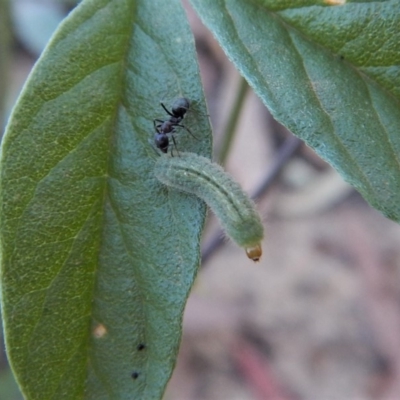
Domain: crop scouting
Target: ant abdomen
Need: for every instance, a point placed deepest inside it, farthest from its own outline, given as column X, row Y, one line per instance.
column 162, row 142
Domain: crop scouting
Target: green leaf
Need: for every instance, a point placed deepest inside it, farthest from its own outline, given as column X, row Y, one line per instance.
column 331, row 74
column 97, row 256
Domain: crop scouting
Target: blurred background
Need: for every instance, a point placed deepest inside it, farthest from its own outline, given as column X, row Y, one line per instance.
column 319, row 317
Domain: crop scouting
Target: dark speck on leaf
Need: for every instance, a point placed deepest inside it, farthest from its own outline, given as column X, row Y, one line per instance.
column 135, row 375
column 141, row 346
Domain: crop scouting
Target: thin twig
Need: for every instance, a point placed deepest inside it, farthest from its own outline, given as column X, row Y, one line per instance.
column 230, row 129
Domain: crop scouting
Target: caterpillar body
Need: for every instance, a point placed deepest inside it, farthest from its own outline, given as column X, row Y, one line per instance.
column 198, row 175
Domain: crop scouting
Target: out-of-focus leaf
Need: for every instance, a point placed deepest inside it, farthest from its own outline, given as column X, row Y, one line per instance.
column 330, row 73
column 35, row 21
column 97, row 256
column 4, row 57
column 8, row 386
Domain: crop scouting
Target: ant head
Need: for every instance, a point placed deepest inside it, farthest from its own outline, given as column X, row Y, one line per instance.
column 180, row 107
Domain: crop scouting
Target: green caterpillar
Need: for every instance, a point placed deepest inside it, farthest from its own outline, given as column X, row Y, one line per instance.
column 237, row 214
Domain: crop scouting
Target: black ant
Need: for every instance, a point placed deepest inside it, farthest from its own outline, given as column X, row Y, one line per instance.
column 165, row 127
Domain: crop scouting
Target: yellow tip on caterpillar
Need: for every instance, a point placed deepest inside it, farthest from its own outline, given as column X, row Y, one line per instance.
column 254, row 252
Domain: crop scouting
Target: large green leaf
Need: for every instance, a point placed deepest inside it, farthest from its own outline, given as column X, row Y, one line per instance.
column 331, row 74
column 97, row 256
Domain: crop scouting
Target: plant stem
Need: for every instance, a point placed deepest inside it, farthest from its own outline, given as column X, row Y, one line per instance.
column 230, row 129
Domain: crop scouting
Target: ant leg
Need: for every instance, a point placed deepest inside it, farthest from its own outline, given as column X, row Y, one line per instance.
column 183, row 126
column 203, row 114
column 166, row 110
column 157, row 126
column 173, row 139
